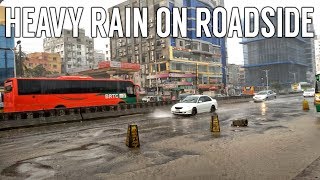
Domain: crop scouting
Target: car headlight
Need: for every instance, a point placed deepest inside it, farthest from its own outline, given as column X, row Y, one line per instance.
column 317, row 97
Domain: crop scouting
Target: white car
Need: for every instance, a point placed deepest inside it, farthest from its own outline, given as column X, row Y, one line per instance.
column 194, row 104
column 309, row 92
column 264, row 96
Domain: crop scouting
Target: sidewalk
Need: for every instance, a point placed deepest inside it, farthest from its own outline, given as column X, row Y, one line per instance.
column 311, row 172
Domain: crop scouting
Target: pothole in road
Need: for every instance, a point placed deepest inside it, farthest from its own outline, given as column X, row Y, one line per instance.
column 238, row 130
column 275, row 127
column 30, row 170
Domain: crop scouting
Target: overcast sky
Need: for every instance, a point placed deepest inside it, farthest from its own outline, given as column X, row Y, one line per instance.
column 235, row 54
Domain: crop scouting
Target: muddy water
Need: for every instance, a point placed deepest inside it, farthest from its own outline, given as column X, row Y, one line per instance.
column 280, row 141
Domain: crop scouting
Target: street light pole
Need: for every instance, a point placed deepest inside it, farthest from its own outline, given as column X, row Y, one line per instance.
column 267, row 77
column 294, row 76
column 226, row 72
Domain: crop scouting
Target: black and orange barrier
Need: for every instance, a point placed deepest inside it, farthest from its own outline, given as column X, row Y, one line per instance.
column 215, row 124
column 132, row 140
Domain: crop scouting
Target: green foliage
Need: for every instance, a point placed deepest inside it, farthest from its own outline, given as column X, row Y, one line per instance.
column 38, row 71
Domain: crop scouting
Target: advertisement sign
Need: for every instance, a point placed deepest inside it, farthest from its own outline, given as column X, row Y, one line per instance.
column 175, row 75
column 115, row 64
column 104, row 64
column 120, row 65
column 134, row 66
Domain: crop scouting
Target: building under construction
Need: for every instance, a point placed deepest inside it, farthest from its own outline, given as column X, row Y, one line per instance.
column 278, row 61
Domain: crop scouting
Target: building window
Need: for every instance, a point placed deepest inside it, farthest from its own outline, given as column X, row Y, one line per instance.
column 181, row 43
column 69, row 65
column 78, row 53
column 163, row 67
column 55, row 66
column 78, row 46
column 54, row 59
column 205, row 47
column 178, row 66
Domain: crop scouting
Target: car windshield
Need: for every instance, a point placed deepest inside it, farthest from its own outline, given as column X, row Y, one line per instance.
column 309, row 90
column 190, row 99
column 262, row 93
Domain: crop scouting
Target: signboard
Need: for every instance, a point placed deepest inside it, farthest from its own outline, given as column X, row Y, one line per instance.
column 104, row 64
column 120, row 65
column 115, row 64
column 125, row 65
column 176, row 75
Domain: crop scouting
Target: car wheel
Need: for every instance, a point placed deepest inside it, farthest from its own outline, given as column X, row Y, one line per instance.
column 194, row 111
column 213, row 109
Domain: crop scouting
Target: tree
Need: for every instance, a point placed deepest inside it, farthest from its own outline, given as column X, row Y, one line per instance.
column 38, row 71
column 276, row 86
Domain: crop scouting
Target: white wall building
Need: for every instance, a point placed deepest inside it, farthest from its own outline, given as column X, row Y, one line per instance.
column 317, row 53
column 77, row 54
column 98, row 57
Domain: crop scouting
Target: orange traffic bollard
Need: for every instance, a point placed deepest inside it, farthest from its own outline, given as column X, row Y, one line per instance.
column 305, row 105
column 132, row 140
column 215, row 125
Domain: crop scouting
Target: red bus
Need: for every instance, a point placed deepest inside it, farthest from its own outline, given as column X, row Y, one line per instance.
column 33, row 94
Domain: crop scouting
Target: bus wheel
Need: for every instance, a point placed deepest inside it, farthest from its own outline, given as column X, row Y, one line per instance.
column 60, row 107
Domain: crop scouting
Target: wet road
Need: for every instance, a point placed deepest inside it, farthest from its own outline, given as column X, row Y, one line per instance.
column 279, row 143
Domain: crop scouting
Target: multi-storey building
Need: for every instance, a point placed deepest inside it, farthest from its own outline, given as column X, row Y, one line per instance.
column 181, row 64
column 50, row 61
column 108, row 53
column 7, row 63
column 235, row 74
column 283, row 60
column 77, row 54
column 317, row 53
column 98, row 57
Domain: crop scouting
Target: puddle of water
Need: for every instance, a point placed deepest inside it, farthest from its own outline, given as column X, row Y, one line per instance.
column 158, row 113
column 29, row 170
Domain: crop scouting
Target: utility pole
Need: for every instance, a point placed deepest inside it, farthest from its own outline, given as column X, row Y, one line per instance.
column 227, row 76
column 267, row 77
column 20, row 62
column 197, row 83
column 294, row 76
column 156, row 75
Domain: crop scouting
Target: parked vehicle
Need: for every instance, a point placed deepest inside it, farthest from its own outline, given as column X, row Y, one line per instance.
column 194, row 104
column 264, row 95
column 152, row 99
column 309, row 92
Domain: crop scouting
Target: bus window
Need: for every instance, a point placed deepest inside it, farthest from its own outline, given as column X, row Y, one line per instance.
column 8, row 89
column 130, row 90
